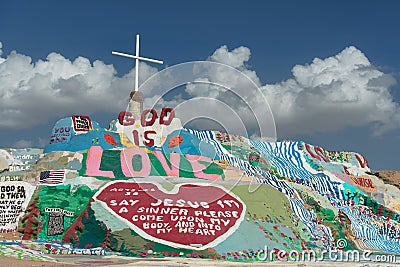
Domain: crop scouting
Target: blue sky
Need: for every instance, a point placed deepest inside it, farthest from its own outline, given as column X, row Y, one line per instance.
column 277, row 36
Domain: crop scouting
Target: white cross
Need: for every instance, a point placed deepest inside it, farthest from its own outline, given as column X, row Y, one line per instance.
column 137, row 57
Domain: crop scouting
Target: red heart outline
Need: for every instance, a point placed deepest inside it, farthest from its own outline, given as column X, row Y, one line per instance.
column 133, row 198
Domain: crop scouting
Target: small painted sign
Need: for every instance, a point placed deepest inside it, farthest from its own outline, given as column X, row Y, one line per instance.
column 150, row 130
column 14, row 198
column 82, row 123
column 365, row 183
column 55, row 224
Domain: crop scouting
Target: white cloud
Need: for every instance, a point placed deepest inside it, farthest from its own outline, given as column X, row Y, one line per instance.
column 22, row 144
column 324, row 96
column 333, row 93
column 1, row 53
column 31, row 93
column 42, row 142
column 327, row 95
column 236, row 58
column 219, row 84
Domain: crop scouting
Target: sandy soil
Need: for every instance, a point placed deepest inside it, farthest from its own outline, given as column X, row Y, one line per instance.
column 105, row 262
column 389, row 176
column 12, row 262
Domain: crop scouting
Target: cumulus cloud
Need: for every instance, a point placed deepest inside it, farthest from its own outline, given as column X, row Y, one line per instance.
column 22, row 144
column 236, row 58
column 227, row 91
column 31, row 93
column 326, row 95
column 333, row 93
column 1, row 53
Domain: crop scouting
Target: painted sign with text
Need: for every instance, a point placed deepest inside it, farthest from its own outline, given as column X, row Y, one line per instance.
column 82, row 123
column 14, row 198
column 62, row 131
column 192, row 216
column 60, row 134
column 151, row 129
column 365, row 183
column 18, row 160
column 135, row 162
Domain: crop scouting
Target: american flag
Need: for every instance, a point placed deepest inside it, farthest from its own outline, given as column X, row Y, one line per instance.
column 52, row 177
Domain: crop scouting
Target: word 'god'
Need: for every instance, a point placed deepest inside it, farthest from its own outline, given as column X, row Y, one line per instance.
column 147, row 119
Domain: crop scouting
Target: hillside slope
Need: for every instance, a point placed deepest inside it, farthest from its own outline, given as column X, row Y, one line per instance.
column 168, row 191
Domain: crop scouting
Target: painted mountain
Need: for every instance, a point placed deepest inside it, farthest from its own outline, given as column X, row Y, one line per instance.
column 152, row 188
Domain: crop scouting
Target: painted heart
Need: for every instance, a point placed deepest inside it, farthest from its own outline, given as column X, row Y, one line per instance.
column 192, row 216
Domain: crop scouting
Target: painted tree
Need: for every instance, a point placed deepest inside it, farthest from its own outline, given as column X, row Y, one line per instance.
column 389, row 216
column 380, row 211
column 87, row 231
column 30, row 221
column 107, row 241
column 71, row 233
